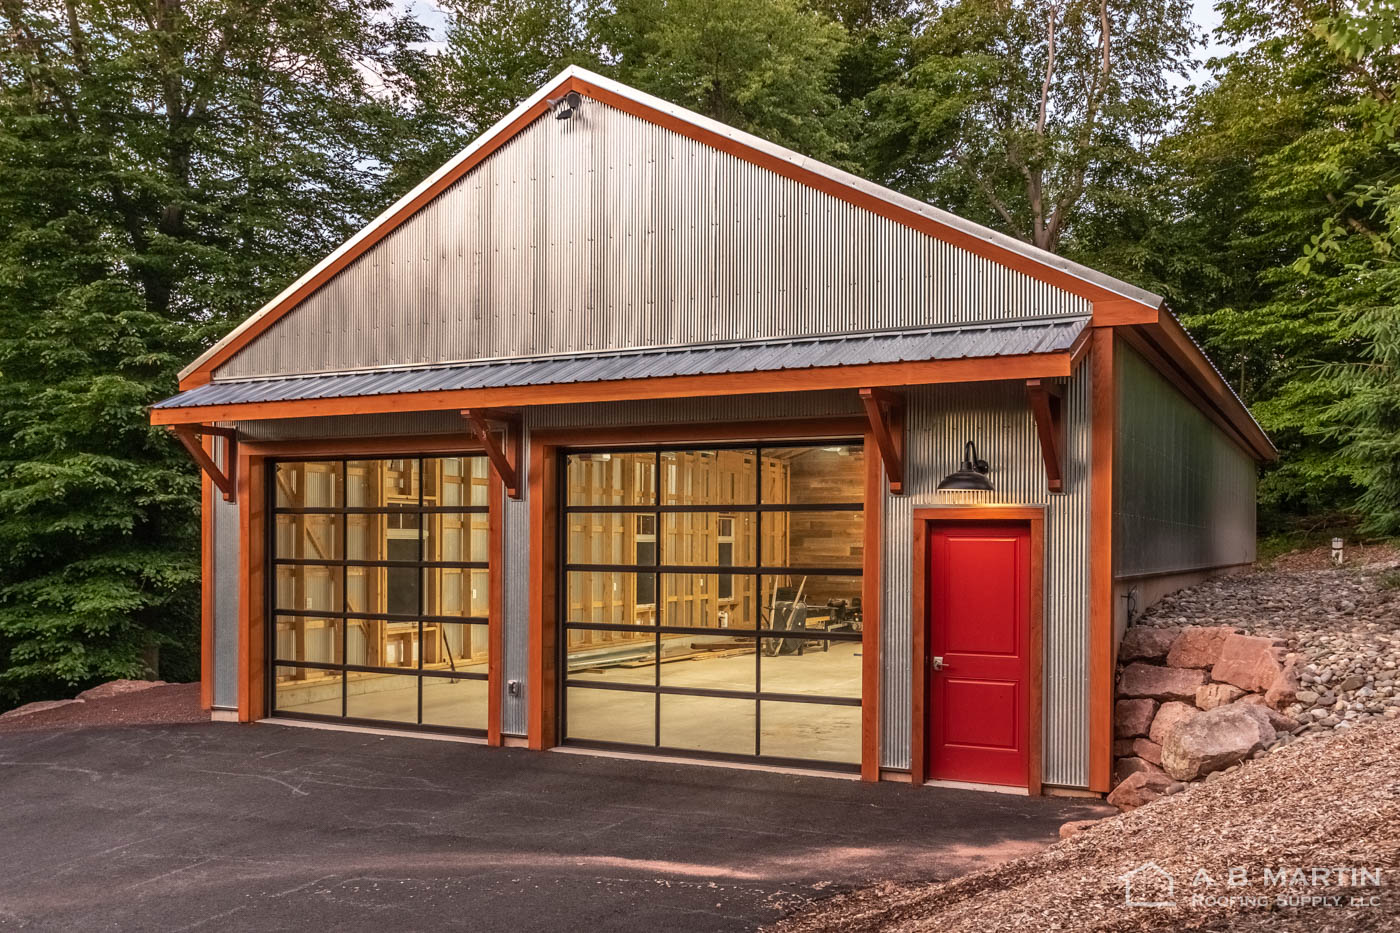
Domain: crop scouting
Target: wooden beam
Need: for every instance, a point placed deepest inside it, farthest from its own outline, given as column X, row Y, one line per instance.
column 1103, row 409
column 1047, row 404
column 885, row 412
column 817, row 378
column 226, row 479
column 482, row 421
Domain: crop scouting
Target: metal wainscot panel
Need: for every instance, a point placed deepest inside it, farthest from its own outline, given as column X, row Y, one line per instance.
column 226, row 554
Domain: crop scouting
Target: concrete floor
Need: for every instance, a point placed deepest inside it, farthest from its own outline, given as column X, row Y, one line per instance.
column 706, row 724
column 265, row 827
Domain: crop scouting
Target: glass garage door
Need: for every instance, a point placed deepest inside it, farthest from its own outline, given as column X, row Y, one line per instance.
column 378, row 589
column 712, row 601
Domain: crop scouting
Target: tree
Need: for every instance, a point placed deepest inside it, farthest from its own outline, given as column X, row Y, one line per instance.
column 768, row 67
column 1265, row 158
column 1357, row 247
column 1026, row 114
column 164, row 168
column 499, row 52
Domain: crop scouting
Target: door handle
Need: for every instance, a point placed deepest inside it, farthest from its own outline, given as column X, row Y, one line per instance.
column 938, row 662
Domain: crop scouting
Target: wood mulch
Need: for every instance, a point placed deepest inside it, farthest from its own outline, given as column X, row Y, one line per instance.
column 1327, row 803
column 170, row 703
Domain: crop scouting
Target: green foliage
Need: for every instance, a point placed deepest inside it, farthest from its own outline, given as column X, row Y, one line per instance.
column 164, row 168
column 1029, row 115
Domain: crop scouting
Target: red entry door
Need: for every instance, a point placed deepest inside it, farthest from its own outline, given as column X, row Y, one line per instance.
column 979, row 626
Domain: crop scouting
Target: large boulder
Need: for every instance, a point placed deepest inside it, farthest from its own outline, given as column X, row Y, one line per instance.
column 1215, row 739
column 1144, row 643
column 1250, row 662
column 1280, row 721
column 1147, row 750
column 1212, row 695
column 1171, row 715
column 1133, row 717
column 116, row 688
column 1198, row 646
column 1284, row 689
column 1124, row 767
column 1141, row 787
column 1160, row 683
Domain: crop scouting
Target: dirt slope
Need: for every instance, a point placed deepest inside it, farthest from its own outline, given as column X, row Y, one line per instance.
column 1326, row 803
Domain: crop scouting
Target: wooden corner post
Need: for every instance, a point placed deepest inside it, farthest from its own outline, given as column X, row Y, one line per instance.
column 1104, row 429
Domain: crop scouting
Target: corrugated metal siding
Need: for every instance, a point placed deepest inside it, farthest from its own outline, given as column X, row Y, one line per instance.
column 941, row 419
column 226, row 551
column 1184, row 494
column 606, row 232
column 997, row 418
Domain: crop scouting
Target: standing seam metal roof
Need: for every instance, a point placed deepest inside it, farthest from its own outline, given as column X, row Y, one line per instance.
column 945, row 343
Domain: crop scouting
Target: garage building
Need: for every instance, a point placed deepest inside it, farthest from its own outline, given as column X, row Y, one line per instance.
column 629, row 431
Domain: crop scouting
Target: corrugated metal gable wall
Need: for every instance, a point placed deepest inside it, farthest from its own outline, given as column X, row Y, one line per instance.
column 606, row 232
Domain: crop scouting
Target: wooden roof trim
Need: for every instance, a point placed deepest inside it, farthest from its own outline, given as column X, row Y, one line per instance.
column 1111, row 305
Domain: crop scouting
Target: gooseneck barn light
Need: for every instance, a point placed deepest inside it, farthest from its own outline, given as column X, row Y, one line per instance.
column 971, row 476
column 564, row 107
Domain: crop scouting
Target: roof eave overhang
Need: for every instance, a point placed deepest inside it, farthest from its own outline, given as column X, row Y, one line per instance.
column 921, row 372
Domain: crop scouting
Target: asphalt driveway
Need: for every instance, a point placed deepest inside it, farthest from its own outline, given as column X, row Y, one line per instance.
column 269, row 827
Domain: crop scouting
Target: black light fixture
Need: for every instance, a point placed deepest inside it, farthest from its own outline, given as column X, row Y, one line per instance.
column 566, row 106
column 971, row 476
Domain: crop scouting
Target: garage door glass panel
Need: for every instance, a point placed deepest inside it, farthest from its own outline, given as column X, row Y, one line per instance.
column 609, row 657
column 616, row 716
column 707, row 724
column 309, row 639
column 807, row 730
column 825, row 539
column 306, row 690
column 806, row 475
column 308, row 485
column 708, row 539
column 811, row 667
column 612, row 479
column 386, row 697
column 708, row 600
column 682, row 576
column 308, row 588
column 708, row 662
column 308, row 536
column 454, row 702
column 390, row 572
column 708, row 477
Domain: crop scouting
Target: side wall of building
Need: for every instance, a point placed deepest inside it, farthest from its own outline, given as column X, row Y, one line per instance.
column 1184, row 493
column 940, row 418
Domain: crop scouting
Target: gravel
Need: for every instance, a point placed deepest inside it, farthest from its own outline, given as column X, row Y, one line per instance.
column 1345, row 622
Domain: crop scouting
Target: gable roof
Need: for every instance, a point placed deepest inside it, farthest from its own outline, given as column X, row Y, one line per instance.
column 1114, row 300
